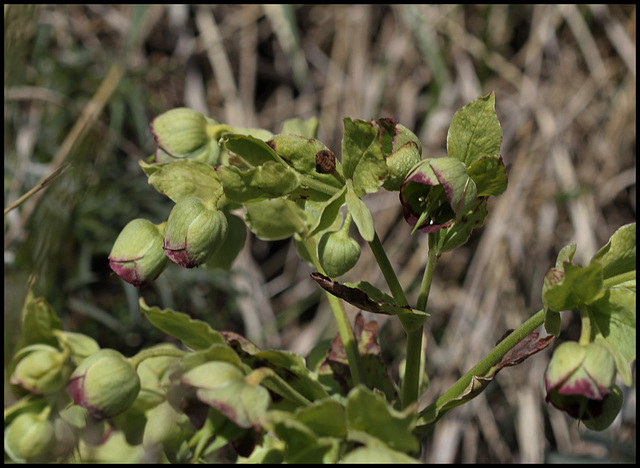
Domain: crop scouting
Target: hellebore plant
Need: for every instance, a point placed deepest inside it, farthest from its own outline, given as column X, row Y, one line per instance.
column 218, row 389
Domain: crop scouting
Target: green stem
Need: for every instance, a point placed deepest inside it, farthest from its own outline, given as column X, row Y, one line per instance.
column 344, row 327
column 483, row 367
column 413, row 366
column 271, row 380
column 411, row 381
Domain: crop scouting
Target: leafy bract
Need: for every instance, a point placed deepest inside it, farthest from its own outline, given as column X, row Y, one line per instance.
column 275, row 219
column 183, row 178
column 362, row 157
column 618, row 258
column 475, row 131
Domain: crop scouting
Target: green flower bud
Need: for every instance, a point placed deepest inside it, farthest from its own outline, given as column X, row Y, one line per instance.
column 338, row 252
column 137, row 255
column 435, row 193
column 580, row 379
column 195, row 230
column 105, row 384
column 41, row 369
column 29, row 438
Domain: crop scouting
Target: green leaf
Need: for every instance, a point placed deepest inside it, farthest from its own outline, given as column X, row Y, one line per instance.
column 253, row 150
column 360, row 214
column 296, row 126
column 329, row 212
column 475, row 131
column 490, row 175
column 618, row 257
column 377, row 454
column 362, row 157
column 369, row 413
column 195, row 334
column 269, row 180
column 458, row 234
column 185, row 178
column 301, row 154
column 223, row 386
column 580, row 285
column 39, row 320
column 303, row 445
column 326, row 418
column 613, row 318
column 275, row 219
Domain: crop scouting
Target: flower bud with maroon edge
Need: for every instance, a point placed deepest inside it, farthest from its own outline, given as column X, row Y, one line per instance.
column 41, row 369
column 30, row 437
column 402, row 150
column 105, row 383
column 580, row 381
column 137, row 255
column 195, row 230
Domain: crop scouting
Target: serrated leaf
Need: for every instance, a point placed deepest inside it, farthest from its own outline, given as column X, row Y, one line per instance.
column 185, row 178
column 360, row 214
column 269, row 180
column 580, row 285
column 195, row 334
column 475, row 131
column 490, row 175
column 362, row 157
column 613, row 319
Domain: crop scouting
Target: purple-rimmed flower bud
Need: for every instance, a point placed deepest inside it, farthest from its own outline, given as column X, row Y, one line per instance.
column 29, row 438
column 137, row 255
column 435, row 193
column 195, row 230
column 105, row 384
column 580, row 379
column 42, row 369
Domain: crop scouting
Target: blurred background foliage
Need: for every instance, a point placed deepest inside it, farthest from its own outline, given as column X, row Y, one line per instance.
column 82, row 83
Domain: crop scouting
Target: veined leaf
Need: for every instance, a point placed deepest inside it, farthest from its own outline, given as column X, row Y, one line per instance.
column 185, row 178
column 362, row 157
column 475, row 131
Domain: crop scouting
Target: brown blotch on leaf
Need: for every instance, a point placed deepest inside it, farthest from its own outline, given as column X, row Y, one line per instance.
column 325, row 162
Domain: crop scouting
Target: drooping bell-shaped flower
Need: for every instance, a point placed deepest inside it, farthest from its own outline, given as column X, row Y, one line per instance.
column 580, row 381
column 435, row 193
